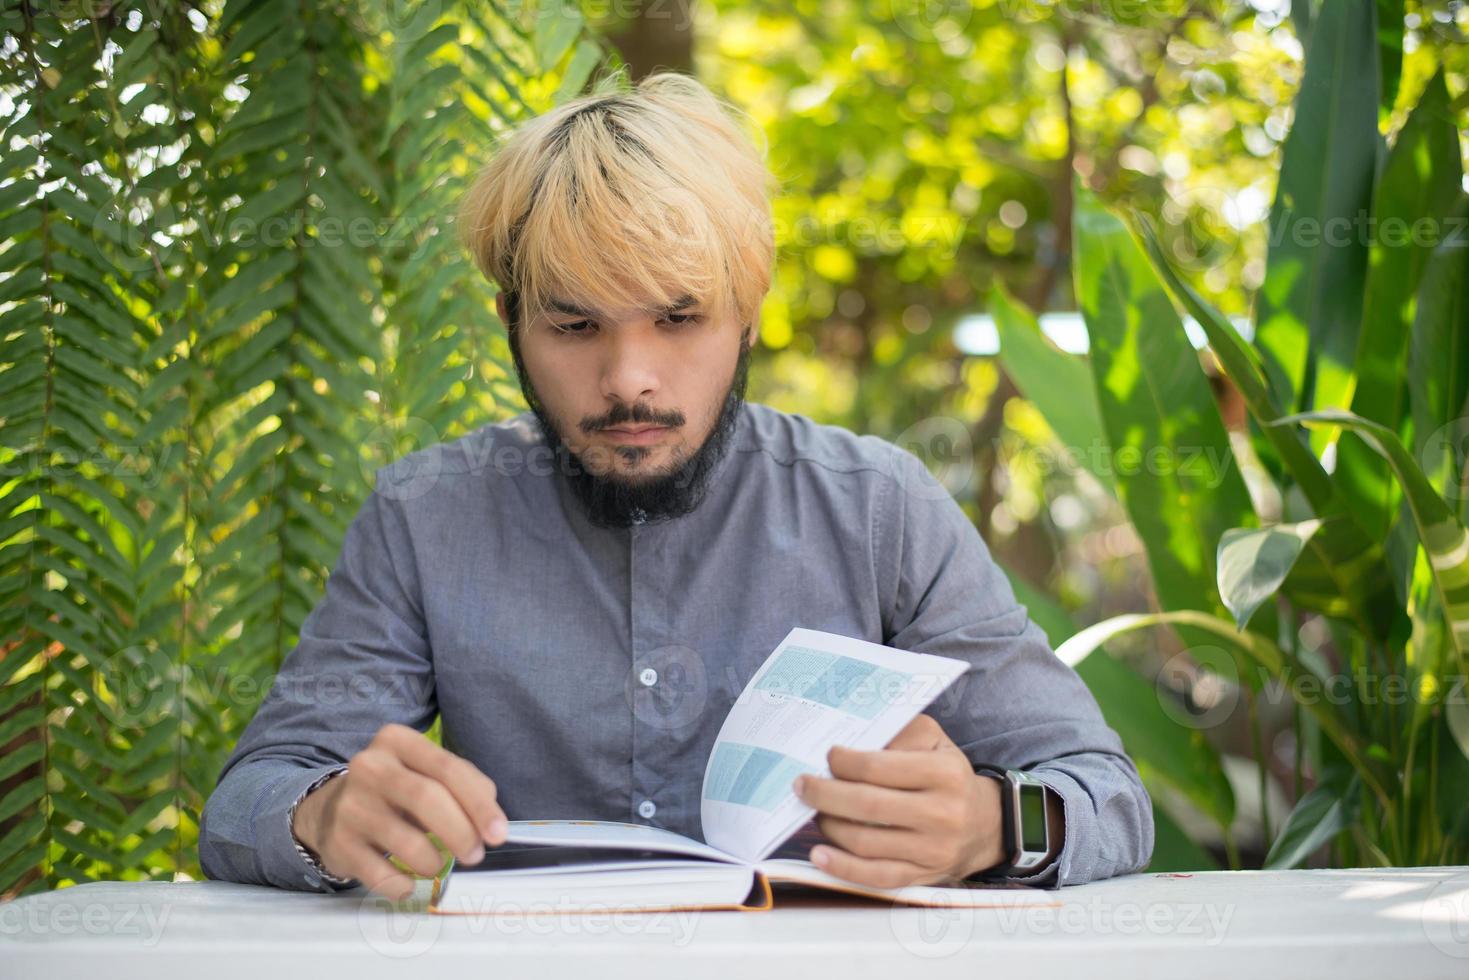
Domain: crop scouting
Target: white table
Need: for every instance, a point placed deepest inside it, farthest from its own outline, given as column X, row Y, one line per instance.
column 1409, row 922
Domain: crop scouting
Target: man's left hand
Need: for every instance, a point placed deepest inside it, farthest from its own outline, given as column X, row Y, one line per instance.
column 913, row 813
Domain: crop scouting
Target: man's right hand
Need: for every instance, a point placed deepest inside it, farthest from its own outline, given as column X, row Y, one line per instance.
column 394, row 792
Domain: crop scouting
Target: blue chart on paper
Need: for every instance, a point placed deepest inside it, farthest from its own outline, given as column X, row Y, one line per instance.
column 845, row 683
column 752, row 776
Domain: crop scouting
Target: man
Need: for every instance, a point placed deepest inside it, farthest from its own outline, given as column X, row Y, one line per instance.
column 581, row 592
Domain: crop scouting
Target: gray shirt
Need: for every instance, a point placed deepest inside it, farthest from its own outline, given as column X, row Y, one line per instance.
column 587, row 670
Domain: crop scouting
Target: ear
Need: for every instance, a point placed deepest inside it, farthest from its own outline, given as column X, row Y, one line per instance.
column 500, row 307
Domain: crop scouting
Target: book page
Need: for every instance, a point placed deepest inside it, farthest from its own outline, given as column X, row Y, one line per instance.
column 610, row 834
column 815, row 690
column 961, row 895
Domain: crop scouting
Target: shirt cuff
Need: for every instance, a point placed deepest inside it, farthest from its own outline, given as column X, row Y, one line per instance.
column 312, row 864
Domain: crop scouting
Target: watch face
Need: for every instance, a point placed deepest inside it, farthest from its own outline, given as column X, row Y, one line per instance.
column 1033, row 818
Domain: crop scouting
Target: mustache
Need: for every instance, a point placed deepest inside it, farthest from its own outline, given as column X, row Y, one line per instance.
column 637, row 414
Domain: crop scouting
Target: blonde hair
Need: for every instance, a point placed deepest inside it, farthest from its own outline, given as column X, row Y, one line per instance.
column 621, row 199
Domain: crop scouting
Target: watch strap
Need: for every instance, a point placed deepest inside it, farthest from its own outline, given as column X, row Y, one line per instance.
column 1007, row 820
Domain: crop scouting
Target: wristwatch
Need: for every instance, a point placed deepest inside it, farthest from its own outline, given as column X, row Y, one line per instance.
column 1025, row 816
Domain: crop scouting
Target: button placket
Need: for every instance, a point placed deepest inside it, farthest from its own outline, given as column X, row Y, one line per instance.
column 637, row 787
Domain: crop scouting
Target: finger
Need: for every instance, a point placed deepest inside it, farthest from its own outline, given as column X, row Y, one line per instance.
column 897, row 768
column 862, row 801
column 877, row 872
column 477, row 794
column 436, row 809
column 377, row 873
column 865, row 840
column 922, row 733
column 407, row 842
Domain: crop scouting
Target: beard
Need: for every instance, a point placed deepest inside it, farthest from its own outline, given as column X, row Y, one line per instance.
column 611, row 501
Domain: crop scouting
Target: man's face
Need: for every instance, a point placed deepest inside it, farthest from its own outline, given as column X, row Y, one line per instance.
column 642, row 401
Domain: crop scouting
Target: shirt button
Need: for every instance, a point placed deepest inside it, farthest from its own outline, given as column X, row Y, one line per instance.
column 649, row 677
column 646, row 809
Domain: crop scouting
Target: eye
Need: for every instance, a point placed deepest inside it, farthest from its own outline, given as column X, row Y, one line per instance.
column 574, row 328
column 680, row 319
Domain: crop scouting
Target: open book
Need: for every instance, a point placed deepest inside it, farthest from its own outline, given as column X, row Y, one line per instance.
column 815, row 690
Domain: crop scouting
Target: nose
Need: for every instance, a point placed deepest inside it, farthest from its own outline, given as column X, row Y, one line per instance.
column 629, row 374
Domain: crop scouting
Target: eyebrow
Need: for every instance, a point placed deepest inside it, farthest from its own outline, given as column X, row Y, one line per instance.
column 571, row 309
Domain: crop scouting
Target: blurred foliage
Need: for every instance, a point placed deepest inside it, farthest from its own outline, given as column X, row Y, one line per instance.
column 924, row 161
column 1341, row 587
column 969, row 122
column 228, row 292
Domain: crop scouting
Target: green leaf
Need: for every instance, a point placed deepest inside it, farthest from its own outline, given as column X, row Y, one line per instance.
column 1057, row 383
column 587, row 56
column 1417, row 192
column 261, row 20
column 1442, row 535
column 1244, row 367
column 1253, row 562
column 1308, row 312
column 1390, row 29
column 1174, row 468
column 1438, row 364
column 1302, row 13
column 1345, row 572
column 1456, row 715
column 1317, row 817
column 558, row 24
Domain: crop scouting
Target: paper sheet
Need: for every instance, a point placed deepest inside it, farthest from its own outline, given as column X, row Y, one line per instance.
column 814, row 691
